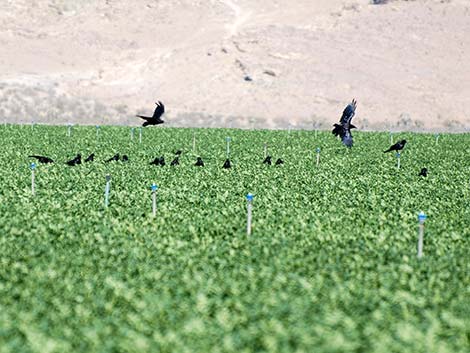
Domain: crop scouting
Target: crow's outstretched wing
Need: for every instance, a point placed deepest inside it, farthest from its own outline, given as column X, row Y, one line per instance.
column 159, row 110
column 348, row 113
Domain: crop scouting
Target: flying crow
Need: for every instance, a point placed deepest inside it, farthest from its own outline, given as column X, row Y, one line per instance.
column 397, row 147
column 343, row 129
column 75, row 161
column 199, row 162
column 423, row 172
column 42, row 159
column 155, row 118
column 90, row 158
column 267, row 160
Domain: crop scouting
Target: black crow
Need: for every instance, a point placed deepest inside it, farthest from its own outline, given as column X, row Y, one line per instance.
column 227, row 164
column 423, row 172
column 155, row 118
column 397, row 147
column 75, row 161
column 42, row 159
column 161, row 161
column 199, row 162
column 124, row 158
column 178, row 153
column 113, row 158
column 267, row 160
column 279, row 161
column 343, row 129
column 90, row 158
column 175, row 161
column 156, row 161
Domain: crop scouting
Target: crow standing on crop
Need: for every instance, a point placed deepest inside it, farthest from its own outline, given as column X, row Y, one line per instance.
column 423, row 172
column 227, row 164
column 90, row 158
column 75, row 161
column 397, row 147
column 42, row 159
column 155, row 118
column 267, row 160
column 175, row 161
column 343, row 129
column 199, row 162
column 178, row 153
column 113, row 158
column 124, row 158
column 279, row 161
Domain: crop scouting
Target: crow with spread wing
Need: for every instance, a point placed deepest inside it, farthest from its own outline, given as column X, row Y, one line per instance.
column 343, row 129
column 155, row 119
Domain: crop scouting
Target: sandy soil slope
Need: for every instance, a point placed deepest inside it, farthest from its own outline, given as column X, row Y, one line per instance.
column 102, row 61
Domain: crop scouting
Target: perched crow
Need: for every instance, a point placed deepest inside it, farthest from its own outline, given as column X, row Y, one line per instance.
column 75, row 161
column 343, row 129
column 124, row 158
column 227, row 164
column 175, row 161
column 155, row 118
column 90, row 158
column 267, row 160
column 397, row 147
column 423, row 172
column 161, row 161
column 113, row 158
column 156, row 161
column 42, row 159
column 199, row 162
column 178, row 153
column 279, row 161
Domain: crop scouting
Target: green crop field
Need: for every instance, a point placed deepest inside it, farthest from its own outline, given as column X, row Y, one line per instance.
column 331, row 264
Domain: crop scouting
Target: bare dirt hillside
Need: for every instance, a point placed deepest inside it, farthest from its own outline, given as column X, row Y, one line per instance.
column 237, row 63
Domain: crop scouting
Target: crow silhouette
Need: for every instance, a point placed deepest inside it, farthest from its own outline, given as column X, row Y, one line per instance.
column 155, row 118
column 199, row 162
column 75, row 161
column 397, row 147
column 343, row 129
column 156, row 161
column 90, row 158
column 227, row 164
column 178, row 153
column 161, row 161
column 279, row 161
column 113, row 158
column 124, row 158
column 267, row 160
column 42, row 159
column 175, row 161
column 423, row 172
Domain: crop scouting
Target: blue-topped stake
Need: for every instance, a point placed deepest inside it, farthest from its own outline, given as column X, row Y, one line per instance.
column 398, row 160
column 106, row 190
column 97, row 127
column 318, row 155
column 265, row 150
column 421, row 219
column 140, row 135
column 249, row 206
column 69, row 130
column 437, row 138
column 228, row 139
column 194, row 142
column 154, row 188
column 33, row 188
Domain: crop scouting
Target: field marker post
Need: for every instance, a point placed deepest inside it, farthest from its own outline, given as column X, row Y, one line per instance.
column 154, row 188
column 249, row 207
column 69, row 130
column 140, row 135
column 132, row 134
column 318, row 155
column 398, row 160
column 97, row 127
column 33, row 186
column 391, row 138
column 437, row 138
column 228, row 139
column 421, row 218
column 106, row 190
column 194, row 142
column 265, row 150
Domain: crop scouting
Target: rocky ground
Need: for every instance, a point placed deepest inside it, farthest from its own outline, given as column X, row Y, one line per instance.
column 237, row 63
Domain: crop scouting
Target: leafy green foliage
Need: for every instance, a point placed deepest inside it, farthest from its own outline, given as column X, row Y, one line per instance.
column 330, row 267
